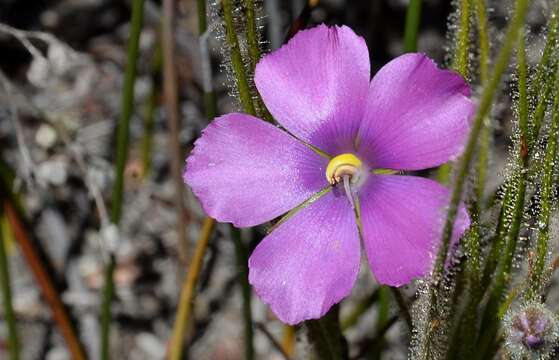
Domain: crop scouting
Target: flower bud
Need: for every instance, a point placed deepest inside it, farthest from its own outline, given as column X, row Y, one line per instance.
column 531, row 332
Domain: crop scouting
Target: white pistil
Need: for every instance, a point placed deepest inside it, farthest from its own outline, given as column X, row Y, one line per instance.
column 347, row 188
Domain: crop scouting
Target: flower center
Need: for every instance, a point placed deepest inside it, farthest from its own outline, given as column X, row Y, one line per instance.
column 344, row 165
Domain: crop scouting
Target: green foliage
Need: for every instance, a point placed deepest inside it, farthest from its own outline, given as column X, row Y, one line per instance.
column 506, row 261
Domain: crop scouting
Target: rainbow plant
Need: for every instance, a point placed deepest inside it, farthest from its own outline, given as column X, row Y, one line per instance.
column 332, row 166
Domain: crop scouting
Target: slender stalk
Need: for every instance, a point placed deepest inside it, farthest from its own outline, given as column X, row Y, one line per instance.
column 464, row 164
column 122, row 155
column 538, row 271
column 43, row 279
column 521, row 172
column 483, row 38
column 237, row 59
column 252, row 35
column 516, row 210
column 13, row 342
column 461, row 54
column 242, row 265
column 189, row 283
column 543, row 70
column 484, row 106
column 248, row 106
column 475, row 293
column 522, row 71
column 498, row 241
column 413, row 18
column 188, row 291
column 254, row 56
column 173, row 120
column 288, row 340
column 483, row 156
column 539, row 94
column 202, row 17
column 126, row 108
column 383, row 315
column 106, row 303
column 460, row 64
column 538, row 115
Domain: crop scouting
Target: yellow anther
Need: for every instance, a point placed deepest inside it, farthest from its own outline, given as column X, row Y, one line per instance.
column 344, row 164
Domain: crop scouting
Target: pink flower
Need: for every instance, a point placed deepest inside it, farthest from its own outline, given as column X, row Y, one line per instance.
column 410, row 116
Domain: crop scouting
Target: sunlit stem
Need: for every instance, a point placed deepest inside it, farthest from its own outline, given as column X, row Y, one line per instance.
column 188, row 291
column 413, row 17
column 461, row 54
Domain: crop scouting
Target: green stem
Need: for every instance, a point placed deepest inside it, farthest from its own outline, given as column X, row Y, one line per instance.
column 252, row 35
column 483, row 156
column 122, row 155
column 522, row 92
column 461, row 66
column 483, row 37
column 473, row 269
column 413, row 18
column 517, row 194
column 538, row 115
column 106, row 313
column 126, row 108
column 9, row 314
column 254, row 55
column 464, row 164
column 383, row 316
column 542, row 244
column 237, row 59
column 484, row 106
column 242, row 264
column 202, row 16
column 544, row 69
column 463, row 40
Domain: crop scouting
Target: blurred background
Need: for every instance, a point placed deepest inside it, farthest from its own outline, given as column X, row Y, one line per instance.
column 62, row 66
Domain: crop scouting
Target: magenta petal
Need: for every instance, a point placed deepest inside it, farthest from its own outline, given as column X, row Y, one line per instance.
column 316, row 86
column 246, row 171
column 417, row 115
column 402, row 219
column 310, row 262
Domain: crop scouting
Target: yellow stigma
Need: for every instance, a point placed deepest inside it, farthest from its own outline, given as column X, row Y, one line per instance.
column 344, row 164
